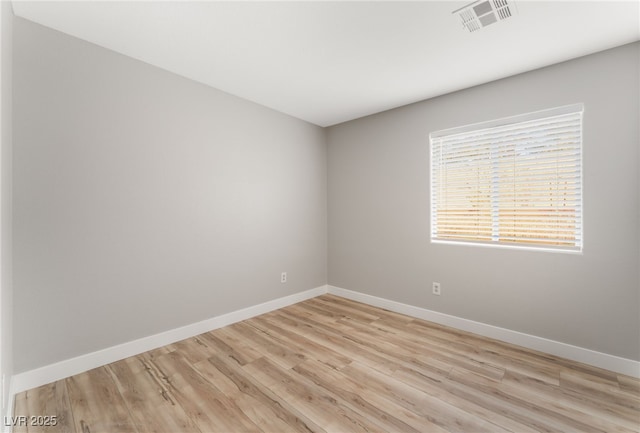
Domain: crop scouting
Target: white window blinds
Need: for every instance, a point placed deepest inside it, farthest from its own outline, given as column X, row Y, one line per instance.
column 514, row 181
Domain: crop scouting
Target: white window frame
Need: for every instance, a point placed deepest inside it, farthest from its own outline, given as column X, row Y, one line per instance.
column 512, row 120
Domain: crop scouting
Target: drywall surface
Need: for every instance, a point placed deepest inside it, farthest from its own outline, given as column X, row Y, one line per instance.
column 6, row 127
column 145, row 201
column 379, row 241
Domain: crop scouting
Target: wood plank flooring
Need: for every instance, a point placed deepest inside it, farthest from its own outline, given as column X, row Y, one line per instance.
column 333, row 365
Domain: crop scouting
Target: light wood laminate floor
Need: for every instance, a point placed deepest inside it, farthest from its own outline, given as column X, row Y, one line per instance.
column 331, row 364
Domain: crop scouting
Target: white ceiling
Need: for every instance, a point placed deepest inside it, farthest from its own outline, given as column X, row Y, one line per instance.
column 329, row 62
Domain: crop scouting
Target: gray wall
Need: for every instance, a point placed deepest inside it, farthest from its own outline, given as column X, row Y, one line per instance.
column 6, row 127
column 144, row 201
column 379, row 211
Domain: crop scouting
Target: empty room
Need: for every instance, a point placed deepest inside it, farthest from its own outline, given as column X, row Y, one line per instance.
column 316, row 216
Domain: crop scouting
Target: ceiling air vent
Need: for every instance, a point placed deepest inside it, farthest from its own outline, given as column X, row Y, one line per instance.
column 483, row 13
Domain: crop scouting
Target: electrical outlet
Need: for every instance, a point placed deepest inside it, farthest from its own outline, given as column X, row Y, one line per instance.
column 283, row 277
column 436, row 288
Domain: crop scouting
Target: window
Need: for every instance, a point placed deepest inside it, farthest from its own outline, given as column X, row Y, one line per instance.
column 514, row 181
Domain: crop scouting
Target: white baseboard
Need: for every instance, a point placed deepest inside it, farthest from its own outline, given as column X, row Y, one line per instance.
column 9, row 428
column 575, row 353
column 60, row 370
column 69, row 367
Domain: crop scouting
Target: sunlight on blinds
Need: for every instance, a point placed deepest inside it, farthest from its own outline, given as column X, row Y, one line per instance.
column 514, row 181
